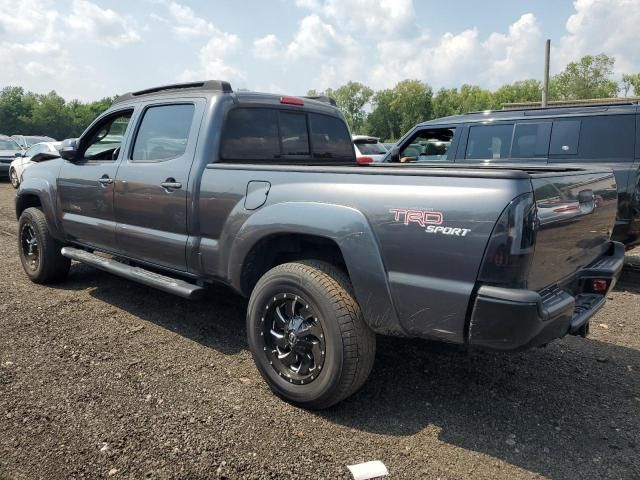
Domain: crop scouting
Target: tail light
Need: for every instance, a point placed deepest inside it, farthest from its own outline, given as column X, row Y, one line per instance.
column 599, row 285
column 364, row 159
column 510, row 249
column 291, row 101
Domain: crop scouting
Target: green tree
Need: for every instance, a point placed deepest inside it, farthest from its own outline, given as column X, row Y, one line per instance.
column 469, row 98
column 411, row 103
column 15, row 110
column 631, row 81
column 590, row 77
column 446, row 102
column 384, row 120
column 352, row 99
column 83, row 114
column 521, row 91
column 50, row 116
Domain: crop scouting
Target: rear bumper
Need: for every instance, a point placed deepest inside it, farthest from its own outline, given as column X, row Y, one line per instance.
column 511, row 319
column 4, row 169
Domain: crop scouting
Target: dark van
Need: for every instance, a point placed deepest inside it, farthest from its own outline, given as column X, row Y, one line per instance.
column 587, row 136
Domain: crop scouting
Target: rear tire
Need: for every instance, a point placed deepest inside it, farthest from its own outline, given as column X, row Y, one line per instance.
column 319, row 308
column 13, row 176
column 39, row 251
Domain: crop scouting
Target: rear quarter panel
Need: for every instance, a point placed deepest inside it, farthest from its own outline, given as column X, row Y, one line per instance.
column 429, row 277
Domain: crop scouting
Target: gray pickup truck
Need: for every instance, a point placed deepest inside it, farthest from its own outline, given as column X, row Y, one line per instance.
column 182, row 186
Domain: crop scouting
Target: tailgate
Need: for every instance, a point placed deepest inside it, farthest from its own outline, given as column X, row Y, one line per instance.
column 576, row 214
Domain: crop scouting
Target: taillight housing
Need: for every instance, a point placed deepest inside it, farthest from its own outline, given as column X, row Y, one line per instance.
column 363, row 160
column 510, row 249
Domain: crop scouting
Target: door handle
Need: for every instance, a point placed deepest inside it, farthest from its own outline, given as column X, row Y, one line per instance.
column 171, row 184
column 105, row 180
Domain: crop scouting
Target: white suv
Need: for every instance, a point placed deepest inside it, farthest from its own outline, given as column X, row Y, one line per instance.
column 368, row 149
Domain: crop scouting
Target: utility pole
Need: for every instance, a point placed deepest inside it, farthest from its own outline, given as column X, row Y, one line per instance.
column 545, row 83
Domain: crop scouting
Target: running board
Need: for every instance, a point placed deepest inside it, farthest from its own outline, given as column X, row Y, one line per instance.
column 151, row 279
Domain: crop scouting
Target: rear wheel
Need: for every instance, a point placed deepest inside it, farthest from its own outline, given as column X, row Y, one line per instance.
column 307, row 334
column 39, row 251
column 13, row 176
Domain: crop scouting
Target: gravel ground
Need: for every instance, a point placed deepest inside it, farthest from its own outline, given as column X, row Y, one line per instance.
column 100, row 377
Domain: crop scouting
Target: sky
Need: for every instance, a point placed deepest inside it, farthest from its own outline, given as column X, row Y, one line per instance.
column 89, row 49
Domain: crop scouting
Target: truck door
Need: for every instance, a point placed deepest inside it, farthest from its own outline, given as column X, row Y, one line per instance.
column 85, row 186
column 151, row 187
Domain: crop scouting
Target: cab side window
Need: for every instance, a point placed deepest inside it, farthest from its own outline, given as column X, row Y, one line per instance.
column 163, row 132
column 564, row 137
column 429, row 145
column 106, row 138
column 531, row 140
column 489, row 142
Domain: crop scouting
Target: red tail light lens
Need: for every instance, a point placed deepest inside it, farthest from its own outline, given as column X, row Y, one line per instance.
column 599, row 285
column 292, row 101
column 364, row 159
column 510, row 249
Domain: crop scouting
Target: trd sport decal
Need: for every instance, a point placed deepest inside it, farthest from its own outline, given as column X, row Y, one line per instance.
column 428, row 219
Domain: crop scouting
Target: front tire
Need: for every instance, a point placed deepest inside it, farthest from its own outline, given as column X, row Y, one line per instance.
column 307, row 334
column 39, row 251
column 13, row 176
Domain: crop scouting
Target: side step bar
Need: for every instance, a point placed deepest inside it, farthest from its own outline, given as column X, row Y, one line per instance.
column 151, row 279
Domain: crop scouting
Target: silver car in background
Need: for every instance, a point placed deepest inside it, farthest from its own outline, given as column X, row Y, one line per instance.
column 23, row 160
column 8, row 150
column 368, row 149
column 26, row 141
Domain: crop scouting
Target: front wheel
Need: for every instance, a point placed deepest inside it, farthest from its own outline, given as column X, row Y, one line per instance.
column 39, row 251
column 13, row 176
column 307, row 335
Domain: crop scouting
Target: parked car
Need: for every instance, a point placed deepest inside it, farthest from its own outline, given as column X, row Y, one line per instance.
column 183, row 186
column 368, row 149
column 8, row 151
column 594, row 136
column 388, row 146
column 23, row 160
column 26, row 141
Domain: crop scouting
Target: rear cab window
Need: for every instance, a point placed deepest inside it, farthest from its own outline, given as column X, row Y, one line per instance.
column 274, row 135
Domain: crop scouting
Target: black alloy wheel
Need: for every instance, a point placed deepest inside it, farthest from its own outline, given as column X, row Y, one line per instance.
column 30, row 247
column 294, row 340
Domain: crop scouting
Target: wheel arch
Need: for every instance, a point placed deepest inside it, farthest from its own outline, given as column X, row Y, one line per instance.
column 343, row 237
column 40, row 194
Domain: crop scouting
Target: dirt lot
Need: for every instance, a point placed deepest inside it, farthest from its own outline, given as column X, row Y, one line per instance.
column 100, row 377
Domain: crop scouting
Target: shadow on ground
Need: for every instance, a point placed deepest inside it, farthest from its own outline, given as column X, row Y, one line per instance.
column 571, row 410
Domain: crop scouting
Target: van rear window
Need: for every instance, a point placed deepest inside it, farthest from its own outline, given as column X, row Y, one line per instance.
column 281, row 136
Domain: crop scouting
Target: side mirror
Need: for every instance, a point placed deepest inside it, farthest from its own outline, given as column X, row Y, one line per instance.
column 41, row 157
column 69, row 150
column 18, row 154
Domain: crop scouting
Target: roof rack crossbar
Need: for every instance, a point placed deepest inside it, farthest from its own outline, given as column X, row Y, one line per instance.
column 207, row 85
column 589, row 103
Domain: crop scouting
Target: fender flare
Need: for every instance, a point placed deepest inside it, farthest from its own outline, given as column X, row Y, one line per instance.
column 349, row 229
column 45, row 192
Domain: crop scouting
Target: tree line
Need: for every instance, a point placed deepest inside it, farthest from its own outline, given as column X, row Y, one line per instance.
column 387, row 113
column 29, row 113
